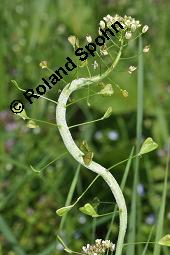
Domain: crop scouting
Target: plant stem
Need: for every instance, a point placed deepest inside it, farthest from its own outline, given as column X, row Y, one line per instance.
column 77, row 153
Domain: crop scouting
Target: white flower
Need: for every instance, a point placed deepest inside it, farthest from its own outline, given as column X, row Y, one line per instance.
column 128, row 35
column 112, row 248
column 108, row 18
column 84, row 249
column 100, row 247
column 88, row 246
column 145, row 29
column 102, row 24
column 133, row 27
column 128, row 23
column 100, row 33
column 138, row 23
column 98, row 241
column 132, row 69
column 95, row 65
column 107, row 244
column 146, row 49
column 88, row 38
column 104, row 52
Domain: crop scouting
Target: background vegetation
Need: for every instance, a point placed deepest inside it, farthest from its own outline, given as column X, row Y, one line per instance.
column 32, row 31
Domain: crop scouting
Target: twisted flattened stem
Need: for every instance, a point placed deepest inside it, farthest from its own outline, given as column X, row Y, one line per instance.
column 77, row 153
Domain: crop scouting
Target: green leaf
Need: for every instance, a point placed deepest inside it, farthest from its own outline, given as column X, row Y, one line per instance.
column 107, row 113
column 32, row 124
column 165, row 240
column 89, row 210
column 107, row 90
column 147, row 146
column 64, row 210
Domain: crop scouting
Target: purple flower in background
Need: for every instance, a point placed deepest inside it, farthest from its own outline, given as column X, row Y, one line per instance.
column 9, row 144
column 140, row 189
column 113, row 135
column 7, row 121
column 4, row 116
column 150, row 219
column 11, row 126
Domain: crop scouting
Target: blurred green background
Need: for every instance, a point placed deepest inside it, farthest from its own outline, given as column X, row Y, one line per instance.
column 36, row 30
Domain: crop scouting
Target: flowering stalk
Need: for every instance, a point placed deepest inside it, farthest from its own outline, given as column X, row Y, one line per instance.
column 130, row 26
column 77, row 153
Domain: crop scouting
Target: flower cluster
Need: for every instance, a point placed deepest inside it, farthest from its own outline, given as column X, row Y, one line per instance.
column 100, row 247
column 129, row 23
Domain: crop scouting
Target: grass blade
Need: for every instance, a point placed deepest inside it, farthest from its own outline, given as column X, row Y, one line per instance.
column 50, row 249
column 70, row 194
column 132, row 218
column 146, row 246
column 159, row 229
column 6, row 231
column 122, row 188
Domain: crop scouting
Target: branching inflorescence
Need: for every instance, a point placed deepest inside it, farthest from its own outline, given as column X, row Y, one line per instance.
column 131, row 26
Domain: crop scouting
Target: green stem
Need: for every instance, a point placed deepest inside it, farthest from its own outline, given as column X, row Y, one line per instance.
column 77, row 153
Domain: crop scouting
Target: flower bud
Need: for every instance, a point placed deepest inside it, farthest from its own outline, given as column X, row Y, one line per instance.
column 43, row 64
column 102, row 24
column 133, row 27
column 128, row 35
column 88, row 38
column 132, row 69
column 124, row 93
column 145, row 29
column 73, row 41
column 146, row 49
column 95, row 65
